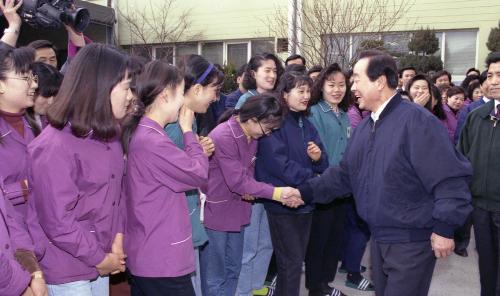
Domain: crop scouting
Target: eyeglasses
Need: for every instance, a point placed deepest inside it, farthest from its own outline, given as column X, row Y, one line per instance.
column 29, row 79
column 264, row 132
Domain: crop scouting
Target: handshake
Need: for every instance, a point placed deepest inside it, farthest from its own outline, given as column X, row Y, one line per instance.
column 289, row 197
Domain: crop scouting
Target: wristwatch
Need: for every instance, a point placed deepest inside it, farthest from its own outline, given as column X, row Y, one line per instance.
column 37, row 275
column 9, row 30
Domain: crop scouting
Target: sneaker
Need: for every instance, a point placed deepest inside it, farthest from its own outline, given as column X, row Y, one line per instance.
column 343, row 270
column 361, row 284
column 264, row 291
column 334, row 292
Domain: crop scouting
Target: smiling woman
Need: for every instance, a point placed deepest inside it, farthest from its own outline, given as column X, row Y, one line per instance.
column 17, row 88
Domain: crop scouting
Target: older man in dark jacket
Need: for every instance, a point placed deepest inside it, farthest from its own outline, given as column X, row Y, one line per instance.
column 480, row 142
column 408, row 181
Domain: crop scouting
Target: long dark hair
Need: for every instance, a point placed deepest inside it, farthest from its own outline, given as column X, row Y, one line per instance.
column 19, row 60
column 84, row 97
column 438, row 110
column 265, row 108
column 325, row 74
column 255, row 63
column 289, row 81
column 194, row 67
column 156, row 76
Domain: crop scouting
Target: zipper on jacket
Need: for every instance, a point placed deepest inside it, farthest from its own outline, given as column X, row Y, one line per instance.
column 492, row 136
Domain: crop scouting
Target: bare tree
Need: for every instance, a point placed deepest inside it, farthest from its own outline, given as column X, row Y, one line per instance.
column 325, row 26
column 157, row 23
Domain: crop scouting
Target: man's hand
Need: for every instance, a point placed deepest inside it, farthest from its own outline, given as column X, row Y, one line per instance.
column 9, row 10
column 442, row 246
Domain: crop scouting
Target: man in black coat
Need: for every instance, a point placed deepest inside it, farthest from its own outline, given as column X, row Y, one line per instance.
column 408, row 181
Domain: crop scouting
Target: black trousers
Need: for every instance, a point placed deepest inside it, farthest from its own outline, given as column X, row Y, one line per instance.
column 462, row 235
column 163, row 286
column 487, row 234
column 290, row 235
column 325, row 244
column 402, row 268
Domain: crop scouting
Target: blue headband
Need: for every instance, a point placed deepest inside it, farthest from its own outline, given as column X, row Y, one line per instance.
column 205, row 74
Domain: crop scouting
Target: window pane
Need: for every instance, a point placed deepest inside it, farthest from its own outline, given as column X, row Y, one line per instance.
column 439, row 36
column 182, row 50
column 357, row 41
column 337, row 49
column 142, row 51
column 237, row 54
column 397, row 43
column 260, row 46
column 213, row 52
column 165, row 53
column 460, row 51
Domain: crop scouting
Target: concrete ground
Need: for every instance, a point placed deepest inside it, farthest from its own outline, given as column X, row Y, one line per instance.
column 453, row 276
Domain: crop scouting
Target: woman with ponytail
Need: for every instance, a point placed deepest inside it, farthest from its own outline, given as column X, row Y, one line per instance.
column 158, row 234
column 201, row 84
column 231, row 185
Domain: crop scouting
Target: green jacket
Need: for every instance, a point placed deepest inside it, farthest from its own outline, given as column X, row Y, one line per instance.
column 333, row 130
column 193, row 198
column 480, row 143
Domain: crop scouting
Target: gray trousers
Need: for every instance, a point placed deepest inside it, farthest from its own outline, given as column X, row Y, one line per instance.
column 402, row 268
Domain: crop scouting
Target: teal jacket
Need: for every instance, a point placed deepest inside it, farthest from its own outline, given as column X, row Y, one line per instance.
column 334, row 131
column 244, row 97
column 199, row 235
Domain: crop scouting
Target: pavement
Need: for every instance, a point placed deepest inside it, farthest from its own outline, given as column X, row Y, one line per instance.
column 454, row 275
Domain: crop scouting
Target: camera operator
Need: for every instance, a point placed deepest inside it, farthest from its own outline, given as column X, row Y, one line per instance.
column 45, row 50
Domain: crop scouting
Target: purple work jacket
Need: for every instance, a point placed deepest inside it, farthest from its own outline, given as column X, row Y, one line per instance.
column 13, row 163
column 450, row 122
column 231, row 175
column 76, row 196
column 158, row 235
column 13, row 278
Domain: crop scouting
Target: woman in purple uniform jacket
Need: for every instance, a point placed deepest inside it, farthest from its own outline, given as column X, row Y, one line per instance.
column 77, row 167
column 158, row 229
column 231, row 179
column 17, row 89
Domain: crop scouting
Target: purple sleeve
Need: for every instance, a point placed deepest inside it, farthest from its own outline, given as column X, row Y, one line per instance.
column 354, row 116
column 57, row 195
column 18, row 230
column 73, row 49
column 13, row 279
column 179, row 170
column 14, row 193
column 236, row 176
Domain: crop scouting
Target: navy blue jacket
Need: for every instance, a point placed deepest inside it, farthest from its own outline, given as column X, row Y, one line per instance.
column 462, row 116
column 282, row 159
column 407, row 179
column 232, row 98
